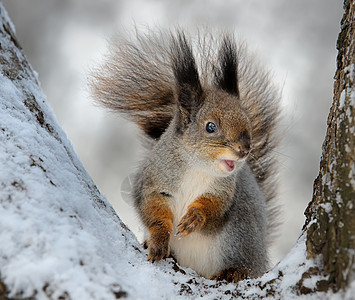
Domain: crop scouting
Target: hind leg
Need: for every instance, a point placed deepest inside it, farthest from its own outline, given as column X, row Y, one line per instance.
column 233, row 274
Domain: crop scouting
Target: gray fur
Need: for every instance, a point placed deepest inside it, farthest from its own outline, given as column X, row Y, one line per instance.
column 241, row 233
column 245, row 232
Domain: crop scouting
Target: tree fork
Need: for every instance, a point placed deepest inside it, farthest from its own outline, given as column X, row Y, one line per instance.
column 330, row 222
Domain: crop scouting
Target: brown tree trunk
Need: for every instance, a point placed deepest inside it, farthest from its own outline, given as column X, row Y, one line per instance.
column 330, row 223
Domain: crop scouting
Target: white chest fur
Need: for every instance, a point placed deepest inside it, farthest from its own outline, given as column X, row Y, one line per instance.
column 197, row 251
column 193, row 185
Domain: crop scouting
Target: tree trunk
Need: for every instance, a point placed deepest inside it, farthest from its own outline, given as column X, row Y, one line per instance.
column 60, row 239
column 330, row 222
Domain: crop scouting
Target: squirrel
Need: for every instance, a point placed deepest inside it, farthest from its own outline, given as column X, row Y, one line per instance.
column 205, row 192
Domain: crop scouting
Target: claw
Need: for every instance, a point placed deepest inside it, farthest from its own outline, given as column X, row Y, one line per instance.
column 190, row 222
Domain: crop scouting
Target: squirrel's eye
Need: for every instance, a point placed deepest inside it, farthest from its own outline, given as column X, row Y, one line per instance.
column 211, row 127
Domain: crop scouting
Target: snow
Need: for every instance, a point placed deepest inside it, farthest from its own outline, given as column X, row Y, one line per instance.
column 294, row 258
column 352, row 176
column 327, row 207
column 46, row 212
column 350, row 70
column 61, row 238
column 342, row 99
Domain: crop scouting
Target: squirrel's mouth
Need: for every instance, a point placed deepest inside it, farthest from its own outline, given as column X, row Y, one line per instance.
column 228, row 164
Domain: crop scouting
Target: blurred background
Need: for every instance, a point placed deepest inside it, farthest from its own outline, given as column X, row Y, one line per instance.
column 64, row 39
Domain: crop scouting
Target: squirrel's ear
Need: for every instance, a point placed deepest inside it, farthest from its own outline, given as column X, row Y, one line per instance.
column 226, row 74
column 188, row 86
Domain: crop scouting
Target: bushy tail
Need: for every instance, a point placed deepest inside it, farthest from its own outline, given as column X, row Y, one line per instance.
column 138, row 81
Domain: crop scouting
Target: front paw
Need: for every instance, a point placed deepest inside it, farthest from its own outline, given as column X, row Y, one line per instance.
column 192, row 221
column 158, row 246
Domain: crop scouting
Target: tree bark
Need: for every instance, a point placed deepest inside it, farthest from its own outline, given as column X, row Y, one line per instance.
column 321, row 262
column 330, row 222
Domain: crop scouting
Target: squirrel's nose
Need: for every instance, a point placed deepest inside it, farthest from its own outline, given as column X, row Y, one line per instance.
column 244, row 151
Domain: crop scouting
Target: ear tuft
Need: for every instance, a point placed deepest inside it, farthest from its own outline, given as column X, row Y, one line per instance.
column 226, row 74
column 189, row 90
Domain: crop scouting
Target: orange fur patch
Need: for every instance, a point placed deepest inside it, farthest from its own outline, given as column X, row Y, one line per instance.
column 159, row 220
column 204, row 212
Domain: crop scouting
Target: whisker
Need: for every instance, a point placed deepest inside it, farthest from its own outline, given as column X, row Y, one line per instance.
column 257, row 162
column 281, row 154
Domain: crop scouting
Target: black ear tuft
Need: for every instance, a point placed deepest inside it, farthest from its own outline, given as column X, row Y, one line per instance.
column 189, row 88
column 226, row 74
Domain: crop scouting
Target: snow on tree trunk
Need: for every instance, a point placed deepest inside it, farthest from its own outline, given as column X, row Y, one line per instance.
column 60, row 238
column 330, row 215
